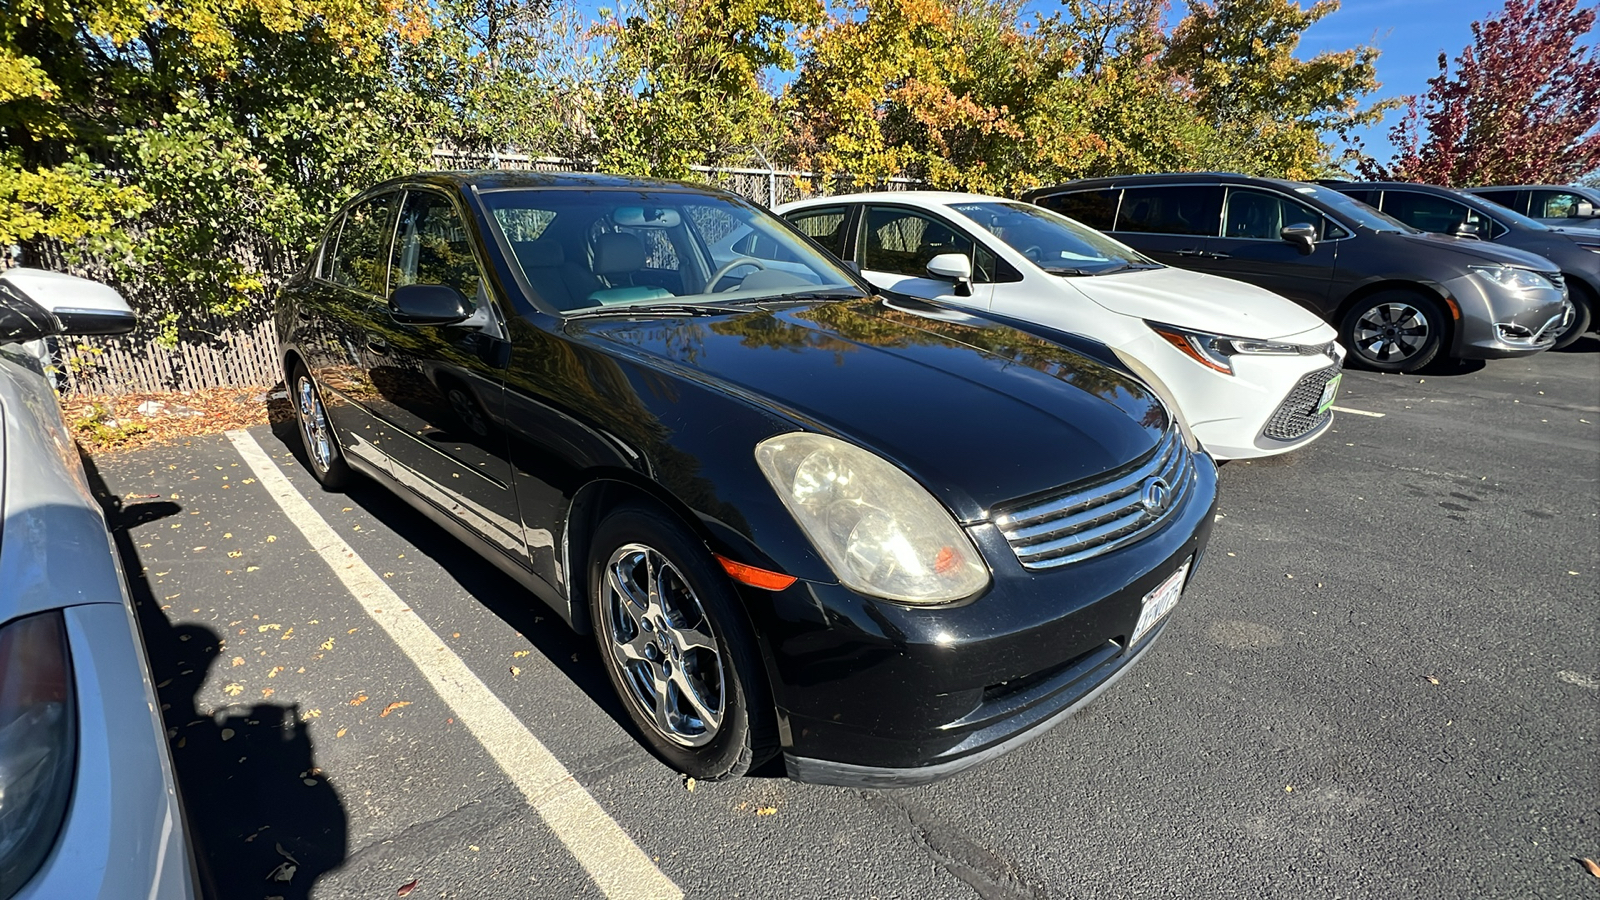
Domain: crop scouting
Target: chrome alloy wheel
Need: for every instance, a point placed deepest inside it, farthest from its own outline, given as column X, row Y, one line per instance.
column 662, row 644
column 314, row 422
column 1391, row 332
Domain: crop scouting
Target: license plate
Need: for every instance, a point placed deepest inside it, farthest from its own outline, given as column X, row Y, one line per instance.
column 1160, row 601
column 1328, row 393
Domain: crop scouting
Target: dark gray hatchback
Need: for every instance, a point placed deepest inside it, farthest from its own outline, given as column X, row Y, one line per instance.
column 1399, row 296
column 1443, row 210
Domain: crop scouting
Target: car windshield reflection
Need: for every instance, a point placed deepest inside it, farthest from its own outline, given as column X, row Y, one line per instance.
column 596, row 251
column 1056, row 244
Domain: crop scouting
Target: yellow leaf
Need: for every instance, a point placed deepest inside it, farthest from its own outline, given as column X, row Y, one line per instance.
column 327, row 644
column 233, row 690
column 393, row 706
column 767, row 811
column 359, row 700
column 520, row 653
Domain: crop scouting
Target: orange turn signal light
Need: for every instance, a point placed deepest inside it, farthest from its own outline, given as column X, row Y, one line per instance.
column 760, row 578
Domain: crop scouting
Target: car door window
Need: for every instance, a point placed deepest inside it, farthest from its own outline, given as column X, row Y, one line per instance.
column 1096, row 209
column 1193, row 209
column 1262, row 215
column 1554, row 204
column 825, row 226
column 903, row 242
column 1433, row 213
column 361, row 256
column 432, row 246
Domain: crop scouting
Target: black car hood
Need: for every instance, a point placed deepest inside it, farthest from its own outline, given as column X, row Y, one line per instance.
column 978, row 412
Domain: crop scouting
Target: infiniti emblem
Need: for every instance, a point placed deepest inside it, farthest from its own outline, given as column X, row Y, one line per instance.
column 1156, row 495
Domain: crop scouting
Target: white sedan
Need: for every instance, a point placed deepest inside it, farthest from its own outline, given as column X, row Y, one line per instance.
column 1252, row 373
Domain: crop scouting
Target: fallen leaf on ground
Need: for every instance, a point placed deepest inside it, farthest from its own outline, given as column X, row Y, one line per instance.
column 327, row 644
column 227, row 734
column 689, row 783
column 1431, row 679
column 269, row 627
column 767, row 811
column 393, row 706
column 359, row 700
column 1590, row 866
column 284, row 853
column 408, row 887
column 233, row 690
column 515, row 671
column 522, row 653
column 283, row 872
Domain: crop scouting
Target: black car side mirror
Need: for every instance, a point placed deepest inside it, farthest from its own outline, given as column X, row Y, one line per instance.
column 1465, row 229
column 1303, row 236
column 428, row 304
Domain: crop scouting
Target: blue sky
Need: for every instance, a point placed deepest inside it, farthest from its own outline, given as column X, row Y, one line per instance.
column 1410, row 34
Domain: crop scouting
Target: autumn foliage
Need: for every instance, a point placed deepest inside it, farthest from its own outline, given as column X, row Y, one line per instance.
column 1521, row 106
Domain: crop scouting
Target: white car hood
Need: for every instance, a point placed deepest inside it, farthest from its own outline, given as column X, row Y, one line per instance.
column 1200, row 302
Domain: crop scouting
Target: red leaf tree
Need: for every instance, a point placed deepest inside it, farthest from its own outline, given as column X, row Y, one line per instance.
column 1523, row 105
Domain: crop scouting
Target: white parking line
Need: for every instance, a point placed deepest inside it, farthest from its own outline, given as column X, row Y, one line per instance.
column 620, row 869
column 1357, row 412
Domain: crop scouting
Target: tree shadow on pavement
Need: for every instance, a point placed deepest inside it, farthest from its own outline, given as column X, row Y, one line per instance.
column 263, row 820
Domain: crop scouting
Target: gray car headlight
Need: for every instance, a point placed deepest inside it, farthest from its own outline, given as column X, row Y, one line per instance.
column 38, row 744
column 1512, row 277
column 880, row 531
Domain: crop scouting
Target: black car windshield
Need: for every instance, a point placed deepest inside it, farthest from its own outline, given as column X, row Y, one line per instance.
column 592, row 250
column 1053, row 242
column 1356, row 211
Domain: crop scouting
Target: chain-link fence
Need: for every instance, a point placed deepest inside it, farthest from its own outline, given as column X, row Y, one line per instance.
column 242, row 350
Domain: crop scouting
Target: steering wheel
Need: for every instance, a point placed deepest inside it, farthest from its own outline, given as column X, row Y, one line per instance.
column 1034, row 253
column 722, row 273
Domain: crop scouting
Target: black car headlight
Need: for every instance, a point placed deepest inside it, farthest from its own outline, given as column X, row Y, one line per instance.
column 880, row 531
column 38, row 743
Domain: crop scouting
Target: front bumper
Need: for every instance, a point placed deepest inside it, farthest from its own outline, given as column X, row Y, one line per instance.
column 1497, row 323
column 874, row 693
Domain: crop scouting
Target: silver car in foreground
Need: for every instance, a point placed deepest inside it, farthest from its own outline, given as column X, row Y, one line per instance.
column 88, row 803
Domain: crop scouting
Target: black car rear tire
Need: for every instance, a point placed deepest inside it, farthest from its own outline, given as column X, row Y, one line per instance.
column 675, row 644
column 1582, row 315
column 323, row 456
column 1394, row 331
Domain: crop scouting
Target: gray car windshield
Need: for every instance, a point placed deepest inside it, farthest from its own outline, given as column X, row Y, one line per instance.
column 1055, row 243
column 1356, row 211
column 594, row 250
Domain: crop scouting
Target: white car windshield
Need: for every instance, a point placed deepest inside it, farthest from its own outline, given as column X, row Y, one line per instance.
column 589, row 251
column 1055, row 243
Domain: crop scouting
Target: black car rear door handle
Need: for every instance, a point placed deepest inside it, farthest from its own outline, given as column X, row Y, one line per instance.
column 377, row 344
column 1189, row 252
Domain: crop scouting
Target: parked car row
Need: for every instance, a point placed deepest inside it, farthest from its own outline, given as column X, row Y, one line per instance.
column 886, row 484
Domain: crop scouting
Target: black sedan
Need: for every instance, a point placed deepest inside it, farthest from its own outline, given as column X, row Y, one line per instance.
column 886, row 540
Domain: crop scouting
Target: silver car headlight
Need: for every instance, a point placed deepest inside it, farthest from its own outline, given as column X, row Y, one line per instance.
column 38, row 744
column 880, row 531
column 1513, row 278
column 1216, row 351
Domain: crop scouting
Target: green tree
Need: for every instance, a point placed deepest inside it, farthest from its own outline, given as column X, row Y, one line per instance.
column 683, row 82
column 1237, row 58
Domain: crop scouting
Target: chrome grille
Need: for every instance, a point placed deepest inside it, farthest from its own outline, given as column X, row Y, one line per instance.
column 1086, row 521
column 1297, row 415
column 1556, row 279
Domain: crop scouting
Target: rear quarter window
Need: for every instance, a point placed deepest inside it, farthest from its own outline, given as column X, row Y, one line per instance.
column 1096, row 209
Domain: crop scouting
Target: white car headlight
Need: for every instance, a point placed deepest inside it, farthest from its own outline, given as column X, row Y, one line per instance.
column 1216, row 351
column 1512, row 277
column 880, row 531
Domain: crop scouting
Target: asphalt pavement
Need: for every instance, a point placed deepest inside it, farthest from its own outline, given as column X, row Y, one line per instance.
column 1384, row 682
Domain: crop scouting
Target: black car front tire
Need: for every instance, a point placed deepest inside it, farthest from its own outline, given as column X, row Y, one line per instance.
column 323, row 456
column 1394, row 331
column 676, row 647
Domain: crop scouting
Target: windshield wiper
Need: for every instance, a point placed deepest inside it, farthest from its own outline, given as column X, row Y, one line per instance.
column 1067, row 271
column 656, row 309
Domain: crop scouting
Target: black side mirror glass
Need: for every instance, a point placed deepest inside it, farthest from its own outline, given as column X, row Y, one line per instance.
column 1303, row 236
column 428, row 304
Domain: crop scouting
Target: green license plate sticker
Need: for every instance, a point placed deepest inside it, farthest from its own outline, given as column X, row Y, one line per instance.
column 1329, row 393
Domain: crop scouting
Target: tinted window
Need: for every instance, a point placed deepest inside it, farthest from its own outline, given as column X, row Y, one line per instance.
column 904, row 242
column 1432, row 213
column 1171, row 210
column 1504, row 198
column 1262, row 215
column 362, row 253
column 825, row 226
column 1370, row 198
column 432, row 246
column 1096, row 209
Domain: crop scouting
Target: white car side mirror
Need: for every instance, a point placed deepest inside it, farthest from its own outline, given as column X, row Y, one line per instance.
column 954, row 267
column 35, row 303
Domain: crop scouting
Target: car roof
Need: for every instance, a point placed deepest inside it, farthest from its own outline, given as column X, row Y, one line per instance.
column 1166, row 178
column 1582, row 189
column 916, row 198
column 502, row 179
